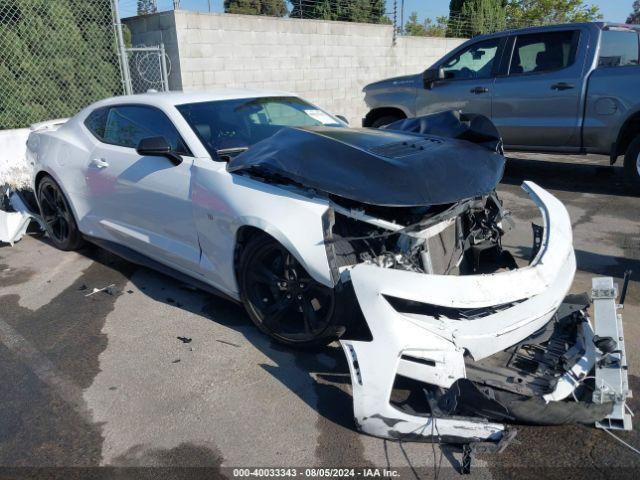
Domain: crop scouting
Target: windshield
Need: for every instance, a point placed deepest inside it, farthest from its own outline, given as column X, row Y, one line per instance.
column 228, row 127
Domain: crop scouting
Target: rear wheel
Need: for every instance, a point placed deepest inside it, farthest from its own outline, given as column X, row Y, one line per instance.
column 632, row 163
column 282, row 299
column 56, row 213
column 385, row 120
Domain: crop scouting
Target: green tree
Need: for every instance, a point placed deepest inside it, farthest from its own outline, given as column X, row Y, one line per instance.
column 365, row 11
column 145, row 7
column 428, row 28
column 273, row 8
column 413, row 27
column 634, row 17
column 57, row 57
column 522, row 13
column 437, row 28
column 468, row 18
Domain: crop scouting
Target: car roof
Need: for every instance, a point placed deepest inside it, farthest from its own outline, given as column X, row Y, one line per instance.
column 170, row 99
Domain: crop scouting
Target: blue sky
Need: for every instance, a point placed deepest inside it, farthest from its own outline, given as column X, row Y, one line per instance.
column 613, row 10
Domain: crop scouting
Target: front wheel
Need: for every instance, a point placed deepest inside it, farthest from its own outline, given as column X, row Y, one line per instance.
column 632, row 164
column 58, row 217
column 282, row 299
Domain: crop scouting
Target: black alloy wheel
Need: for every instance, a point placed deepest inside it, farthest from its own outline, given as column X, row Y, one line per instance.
column 281, row 297
column 56, row 213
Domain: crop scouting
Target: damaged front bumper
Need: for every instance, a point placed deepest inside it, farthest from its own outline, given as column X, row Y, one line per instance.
column 462, row 321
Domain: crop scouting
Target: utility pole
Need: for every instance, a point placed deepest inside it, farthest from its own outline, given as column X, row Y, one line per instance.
column 122, row 53
column 402, row 17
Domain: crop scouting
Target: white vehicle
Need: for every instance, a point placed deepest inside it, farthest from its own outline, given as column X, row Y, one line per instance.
column 387, row 239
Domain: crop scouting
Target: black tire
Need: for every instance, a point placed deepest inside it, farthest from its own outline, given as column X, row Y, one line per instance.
column 385, row 120
column 61, row 226
column 282, row 299
column 632, row 164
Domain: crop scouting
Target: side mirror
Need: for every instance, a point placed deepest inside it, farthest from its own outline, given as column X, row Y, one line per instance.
column 431, row 76
column 158, row 147
column 343, row 118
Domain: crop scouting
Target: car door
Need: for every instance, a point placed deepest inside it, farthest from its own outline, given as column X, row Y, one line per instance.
column 468, row 80
column 143, row 202
column 536, row 103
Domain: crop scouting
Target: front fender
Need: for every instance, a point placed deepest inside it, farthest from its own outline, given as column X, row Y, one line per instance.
column 223, row 203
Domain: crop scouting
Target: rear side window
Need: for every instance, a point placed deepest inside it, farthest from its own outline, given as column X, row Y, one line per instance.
column 618, row 48
column 96, row 121
column 543, row 52
column 126, row 125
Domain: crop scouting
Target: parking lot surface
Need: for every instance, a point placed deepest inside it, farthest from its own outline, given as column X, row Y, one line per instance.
column 104, row 379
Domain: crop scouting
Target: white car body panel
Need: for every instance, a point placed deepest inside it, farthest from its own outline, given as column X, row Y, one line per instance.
column 163, row 211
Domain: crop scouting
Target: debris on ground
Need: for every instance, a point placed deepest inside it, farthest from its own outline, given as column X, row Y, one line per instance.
column 110, row 289
column 228, row 343
column 15, row 216
column 177, row 360
column 184, row 339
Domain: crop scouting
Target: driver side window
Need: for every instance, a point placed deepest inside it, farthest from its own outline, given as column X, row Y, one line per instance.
column 126, row 125
column 475, row 61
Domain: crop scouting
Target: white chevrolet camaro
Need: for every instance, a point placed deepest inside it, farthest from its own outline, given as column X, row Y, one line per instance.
column 388, row 239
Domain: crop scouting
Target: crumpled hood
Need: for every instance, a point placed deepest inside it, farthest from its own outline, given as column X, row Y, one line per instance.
column 381, row 167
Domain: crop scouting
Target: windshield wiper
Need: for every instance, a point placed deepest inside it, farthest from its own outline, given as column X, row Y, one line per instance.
column 226, row 154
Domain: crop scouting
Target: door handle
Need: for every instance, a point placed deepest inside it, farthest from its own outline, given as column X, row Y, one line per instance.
column 99, row 163
column 562, row 86
column 479, row 90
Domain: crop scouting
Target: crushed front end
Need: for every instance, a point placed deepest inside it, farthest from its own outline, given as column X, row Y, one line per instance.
column 457, row 341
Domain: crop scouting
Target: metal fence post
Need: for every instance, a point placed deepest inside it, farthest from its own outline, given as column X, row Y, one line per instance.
column 163, row 64
column 124, row 61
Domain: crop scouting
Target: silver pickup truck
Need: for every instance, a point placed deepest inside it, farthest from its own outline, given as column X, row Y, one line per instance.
column 572, row 88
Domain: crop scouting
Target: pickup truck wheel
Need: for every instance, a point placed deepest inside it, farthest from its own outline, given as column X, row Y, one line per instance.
column 632, row 163
column 385, row 120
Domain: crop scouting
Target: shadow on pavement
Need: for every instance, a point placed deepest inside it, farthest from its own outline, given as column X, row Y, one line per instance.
column 569, row 177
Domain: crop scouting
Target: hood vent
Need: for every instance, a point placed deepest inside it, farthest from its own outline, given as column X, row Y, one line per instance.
column 405, row 149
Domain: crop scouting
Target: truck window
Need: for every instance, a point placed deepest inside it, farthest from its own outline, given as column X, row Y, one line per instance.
column 476, row 61
column 543, row 52
column 618, row 48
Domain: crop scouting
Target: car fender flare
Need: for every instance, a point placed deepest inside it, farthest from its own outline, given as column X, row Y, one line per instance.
column 315, row 264
column 48, row 172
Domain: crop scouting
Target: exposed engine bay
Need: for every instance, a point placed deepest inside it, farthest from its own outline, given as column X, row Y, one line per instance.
column 452, row 239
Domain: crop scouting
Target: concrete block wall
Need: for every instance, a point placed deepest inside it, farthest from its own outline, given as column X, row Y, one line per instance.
column 328, row 63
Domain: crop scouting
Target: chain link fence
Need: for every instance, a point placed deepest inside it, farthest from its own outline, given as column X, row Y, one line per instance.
column 57, row 57
column 149, row 68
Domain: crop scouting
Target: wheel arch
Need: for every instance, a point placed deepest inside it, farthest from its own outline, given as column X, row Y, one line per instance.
column 379, row 112
column 37, row 179
column 628, row 132
column 250, row 229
